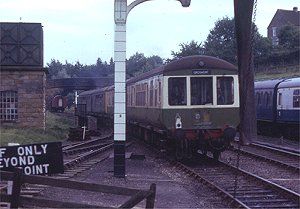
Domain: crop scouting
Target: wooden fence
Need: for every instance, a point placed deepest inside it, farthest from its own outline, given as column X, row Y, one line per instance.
column 16, row 199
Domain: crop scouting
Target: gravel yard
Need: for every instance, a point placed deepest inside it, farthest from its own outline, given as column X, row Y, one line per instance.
column 173, row 188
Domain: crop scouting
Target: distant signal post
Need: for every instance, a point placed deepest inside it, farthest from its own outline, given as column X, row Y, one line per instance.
column 121, row 11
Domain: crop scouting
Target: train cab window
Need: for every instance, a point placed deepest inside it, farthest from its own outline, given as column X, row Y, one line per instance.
column 296, row 98
column 8, row 105
column 177, row 91
column 201, row 91
column 225, row 95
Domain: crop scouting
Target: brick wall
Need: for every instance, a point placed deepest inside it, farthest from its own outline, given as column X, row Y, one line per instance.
column 30, row 87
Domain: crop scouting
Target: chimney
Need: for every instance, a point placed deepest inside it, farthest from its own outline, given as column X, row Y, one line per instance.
column 295, row 9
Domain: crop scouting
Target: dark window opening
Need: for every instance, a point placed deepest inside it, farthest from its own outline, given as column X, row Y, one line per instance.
column 225, row 91
column 177, row 91
column 201, row 91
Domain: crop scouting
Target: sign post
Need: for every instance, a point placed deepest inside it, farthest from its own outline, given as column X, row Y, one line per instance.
column 33, row 159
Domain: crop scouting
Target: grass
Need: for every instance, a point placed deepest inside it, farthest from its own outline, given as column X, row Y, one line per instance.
column 57, row 129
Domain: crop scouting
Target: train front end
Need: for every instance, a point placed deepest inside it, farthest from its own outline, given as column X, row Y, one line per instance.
column 201, row 105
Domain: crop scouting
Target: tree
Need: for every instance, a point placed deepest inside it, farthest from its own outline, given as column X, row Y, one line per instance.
column 135, row 64
column 221, row 41
column 288, row 37
column 152, row 62
column 54, row 67
column 193, row 48
column 262, row 50
column 138, row 63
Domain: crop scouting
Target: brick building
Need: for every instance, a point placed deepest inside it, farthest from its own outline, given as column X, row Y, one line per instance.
column 281, row 18
column 22, row 76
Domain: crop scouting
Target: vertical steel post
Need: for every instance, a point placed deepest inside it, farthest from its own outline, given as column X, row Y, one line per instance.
column 121, row 11
column 243, row 25
column 120, row 14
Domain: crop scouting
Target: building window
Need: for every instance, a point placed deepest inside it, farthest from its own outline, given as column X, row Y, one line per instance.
column 275, row 39
column 9, row 105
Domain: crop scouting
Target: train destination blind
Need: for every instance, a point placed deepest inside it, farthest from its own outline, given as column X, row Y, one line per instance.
column 34, row 159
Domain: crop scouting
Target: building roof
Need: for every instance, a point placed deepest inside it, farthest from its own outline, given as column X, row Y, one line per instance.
column 283, row 17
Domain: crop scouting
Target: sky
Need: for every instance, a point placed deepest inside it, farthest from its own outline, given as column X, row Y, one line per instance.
column 83, row 30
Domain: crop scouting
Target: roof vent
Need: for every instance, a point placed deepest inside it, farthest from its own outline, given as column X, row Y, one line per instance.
column 295, row 9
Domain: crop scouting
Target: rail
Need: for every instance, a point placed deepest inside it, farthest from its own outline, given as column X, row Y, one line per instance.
column 15, row 199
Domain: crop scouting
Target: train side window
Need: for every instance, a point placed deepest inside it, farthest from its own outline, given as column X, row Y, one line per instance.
column 155, row 93
column 225, row 91
column 257, row 97
column 280, row 99
column 132, row 101
column 159, row 93
column 177, row 91
column 266, row 99
column 151, row 94
column 141, row 94
column 201, row 91
column 296, row 98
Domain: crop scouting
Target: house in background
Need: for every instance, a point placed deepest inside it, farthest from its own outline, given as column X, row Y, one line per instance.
column 282, row 18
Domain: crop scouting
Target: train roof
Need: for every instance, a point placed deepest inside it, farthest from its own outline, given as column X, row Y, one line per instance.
column 290, row 82
column 88, row 92
column 189, row 62
column 185, row 63
column 281, row 83
column 267, row 84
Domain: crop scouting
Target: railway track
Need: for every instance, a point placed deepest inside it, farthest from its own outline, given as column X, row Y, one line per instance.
column 240, row 188
column 287, row 159
column 275, row 165
column 78, row 157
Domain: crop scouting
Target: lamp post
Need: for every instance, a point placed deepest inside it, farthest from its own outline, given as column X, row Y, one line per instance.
column 121, row 11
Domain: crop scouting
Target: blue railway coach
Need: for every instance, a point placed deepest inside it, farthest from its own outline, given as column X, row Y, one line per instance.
column 278, row 107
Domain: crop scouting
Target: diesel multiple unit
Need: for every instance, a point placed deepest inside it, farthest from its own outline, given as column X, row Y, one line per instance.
column 189, row 105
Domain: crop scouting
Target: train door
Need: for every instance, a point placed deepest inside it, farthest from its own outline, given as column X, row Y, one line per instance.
column 60, row 102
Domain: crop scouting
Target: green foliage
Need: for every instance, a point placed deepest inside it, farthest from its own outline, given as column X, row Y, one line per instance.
column 288, row 37
column 57, row 128
column 287, row 51
column 221, row 41
column 138, row 63
column 68, row 70
column 193, row 48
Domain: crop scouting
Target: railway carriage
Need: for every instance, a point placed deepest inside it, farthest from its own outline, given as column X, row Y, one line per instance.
column 191, row 104
column 58, row 103
column 278, row 107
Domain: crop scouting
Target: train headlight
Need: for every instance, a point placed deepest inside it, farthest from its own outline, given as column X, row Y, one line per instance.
column 197, row 116
column 178, row 123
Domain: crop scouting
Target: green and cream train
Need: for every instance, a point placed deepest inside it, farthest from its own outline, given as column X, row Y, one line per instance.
column 188, row 106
